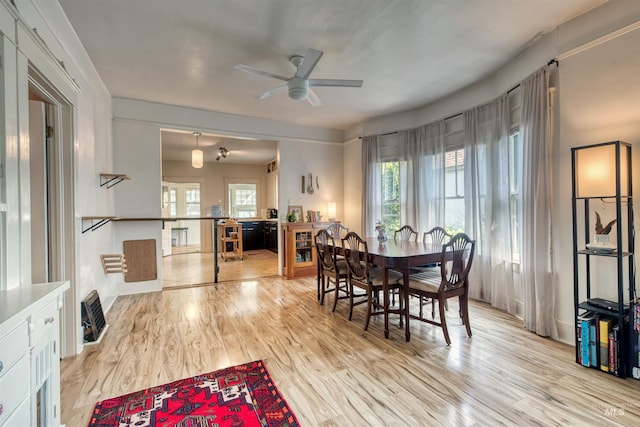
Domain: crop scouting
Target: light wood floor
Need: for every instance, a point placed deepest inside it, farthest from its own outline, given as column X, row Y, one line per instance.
column 195, row 268
column 333, row 373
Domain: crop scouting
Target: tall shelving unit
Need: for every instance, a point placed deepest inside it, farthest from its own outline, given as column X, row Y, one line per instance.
column 602, row 180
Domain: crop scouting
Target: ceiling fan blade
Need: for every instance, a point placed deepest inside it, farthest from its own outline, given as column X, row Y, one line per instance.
column 253, row 70
column 310, row 61
column 335, row 82
column 272, row 92
column 313, row 99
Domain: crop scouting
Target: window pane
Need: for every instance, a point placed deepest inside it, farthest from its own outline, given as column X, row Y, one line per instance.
column 242, row 200
column 454, row 191
column 391, row 195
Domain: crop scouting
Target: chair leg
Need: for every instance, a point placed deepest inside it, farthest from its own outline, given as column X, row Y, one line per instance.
column 369, row 305
column 421, row 302
column 335, row 301
column 321, row 289
column 443, row 321
column 350, row 299
column 464, row 308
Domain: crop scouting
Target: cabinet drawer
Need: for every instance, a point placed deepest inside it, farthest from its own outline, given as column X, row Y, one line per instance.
column 43, row 323
column 13, row 345
column 21, row 416
column 14, row 387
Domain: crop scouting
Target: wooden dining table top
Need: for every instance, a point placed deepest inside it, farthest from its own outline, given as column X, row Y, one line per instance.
column 402, row 253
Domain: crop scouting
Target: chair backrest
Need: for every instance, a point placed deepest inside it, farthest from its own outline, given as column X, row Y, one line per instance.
column 436, row 235
column 406, row 232
column 337, row 231
column 357, row 255
column 457, row 256
column 325, row 250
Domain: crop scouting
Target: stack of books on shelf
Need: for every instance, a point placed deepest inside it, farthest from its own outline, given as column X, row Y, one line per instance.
column 598, row 340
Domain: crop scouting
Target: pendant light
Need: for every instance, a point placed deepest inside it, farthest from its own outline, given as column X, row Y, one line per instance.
column 197, row 158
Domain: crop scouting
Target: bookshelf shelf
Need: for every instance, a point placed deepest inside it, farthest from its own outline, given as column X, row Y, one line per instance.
column 604, row 280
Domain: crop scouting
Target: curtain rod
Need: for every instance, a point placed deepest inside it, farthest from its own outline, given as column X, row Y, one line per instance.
column 551, row 62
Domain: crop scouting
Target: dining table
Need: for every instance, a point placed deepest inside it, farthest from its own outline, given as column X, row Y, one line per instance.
column 402, row 256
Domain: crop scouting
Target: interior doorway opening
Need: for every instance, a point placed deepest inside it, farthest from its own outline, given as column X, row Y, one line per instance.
column 242, row 185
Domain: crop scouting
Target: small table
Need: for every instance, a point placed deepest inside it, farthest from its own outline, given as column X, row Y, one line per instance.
column 230, row 233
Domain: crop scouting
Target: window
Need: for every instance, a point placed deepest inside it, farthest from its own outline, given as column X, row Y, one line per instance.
column 192, row 201
column 515, row 202
column 391, row 194
column 454, row 190
column 173, row 202
column 243, row 200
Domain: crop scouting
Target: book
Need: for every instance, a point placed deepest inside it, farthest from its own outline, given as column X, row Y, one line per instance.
column 612, row 355
column 594, row 353
column 579, row 339
column 605, row 325
column 616, row 350
column 586, row 321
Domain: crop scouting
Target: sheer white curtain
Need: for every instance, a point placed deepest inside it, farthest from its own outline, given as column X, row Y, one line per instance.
column 420, row 153
column 487, row 202
column 371, row 183
column 537, row 267
column 425, row 181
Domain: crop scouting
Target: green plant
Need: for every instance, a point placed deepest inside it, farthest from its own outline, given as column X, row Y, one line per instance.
column 291, row 217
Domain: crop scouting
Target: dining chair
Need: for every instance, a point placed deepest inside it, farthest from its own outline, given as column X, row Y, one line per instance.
column 333, row 275
column 437, row 235
column 455, row 263
column 367, row 277
column 406, row 232
column 337, row 231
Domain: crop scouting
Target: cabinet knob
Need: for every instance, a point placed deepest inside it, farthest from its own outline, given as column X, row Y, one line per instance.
column 49, row 320
column 1, row 409
column 1, row 365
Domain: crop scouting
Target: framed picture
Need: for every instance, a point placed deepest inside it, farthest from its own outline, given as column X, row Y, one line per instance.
column 297, row 210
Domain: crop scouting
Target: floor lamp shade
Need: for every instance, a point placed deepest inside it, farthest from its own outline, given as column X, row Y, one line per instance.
column 596, row 168
column 331, row 210
column 197, row 159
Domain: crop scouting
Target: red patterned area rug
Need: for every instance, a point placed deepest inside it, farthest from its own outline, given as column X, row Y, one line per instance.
column 239, row 396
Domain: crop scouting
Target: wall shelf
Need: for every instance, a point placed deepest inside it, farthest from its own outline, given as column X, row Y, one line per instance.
column 96, row 222
column 111, row 179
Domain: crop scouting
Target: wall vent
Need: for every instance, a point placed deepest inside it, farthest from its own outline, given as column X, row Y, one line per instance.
column 93, row 322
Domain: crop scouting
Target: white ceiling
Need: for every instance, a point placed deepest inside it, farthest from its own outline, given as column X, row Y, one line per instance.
column 177, row 145
column 408, row 52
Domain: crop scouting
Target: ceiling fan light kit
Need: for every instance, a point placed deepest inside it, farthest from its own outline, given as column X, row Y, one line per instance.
column 299, row 86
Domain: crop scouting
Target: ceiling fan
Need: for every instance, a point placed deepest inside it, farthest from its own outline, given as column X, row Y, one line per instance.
column 299, row 85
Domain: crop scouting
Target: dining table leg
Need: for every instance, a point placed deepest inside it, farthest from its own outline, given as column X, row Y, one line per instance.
column 385, row 299
column 405, row 296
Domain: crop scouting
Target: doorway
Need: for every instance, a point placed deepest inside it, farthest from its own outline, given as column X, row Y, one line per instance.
column 51, row 172
column 241, row 185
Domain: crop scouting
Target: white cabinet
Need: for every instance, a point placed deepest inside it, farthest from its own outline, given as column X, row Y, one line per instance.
column 29, row 355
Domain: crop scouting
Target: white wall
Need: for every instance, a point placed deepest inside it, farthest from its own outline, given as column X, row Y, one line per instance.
column 598, row 100
column 88, row 145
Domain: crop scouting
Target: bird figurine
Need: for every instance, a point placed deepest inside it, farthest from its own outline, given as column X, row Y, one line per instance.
column 603, row 230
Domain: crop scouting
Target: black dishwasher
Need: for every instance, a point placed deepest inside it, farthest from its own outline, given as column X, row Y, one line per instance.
column 271, row 236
